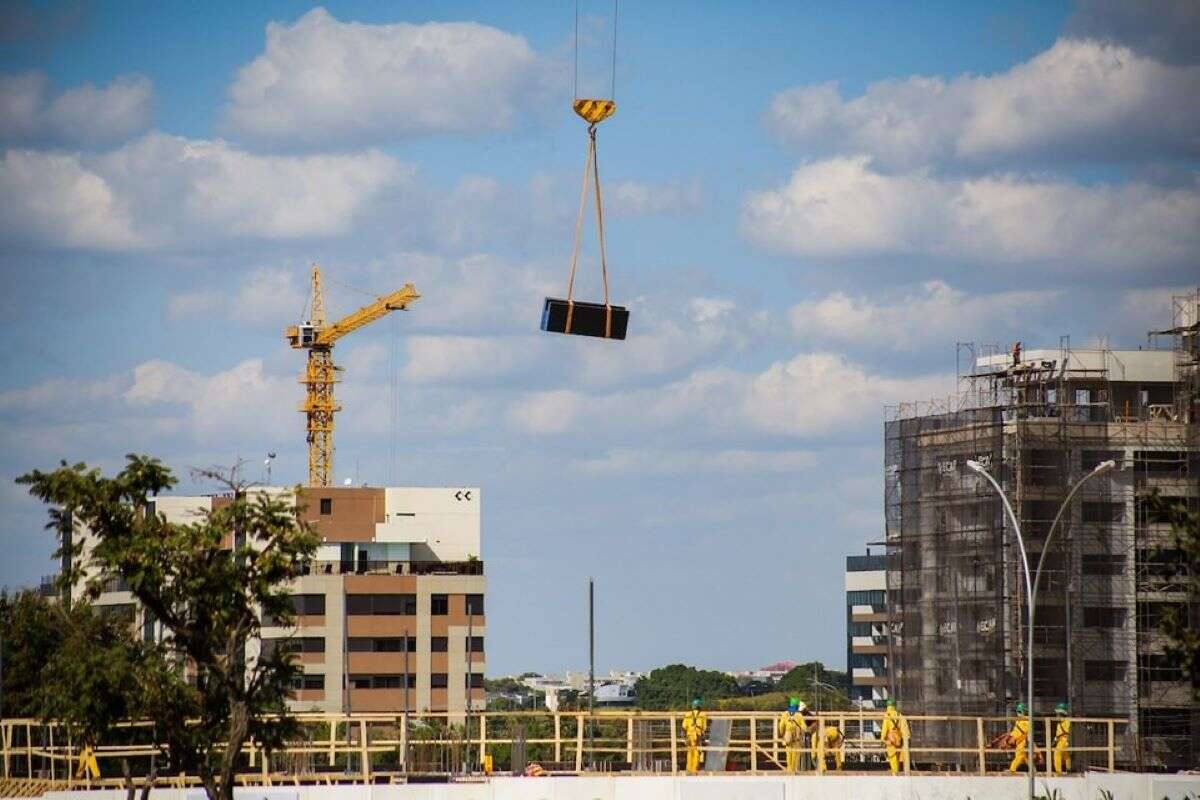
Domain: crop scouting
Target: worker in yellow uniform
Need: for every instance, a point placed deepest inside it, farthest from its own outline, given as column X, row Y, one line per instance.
column 695, row 725
column 791, row 728
column 833, row 747
column 1017, row 738
column 88, row 767
column 895, row 735
column 1062, row 740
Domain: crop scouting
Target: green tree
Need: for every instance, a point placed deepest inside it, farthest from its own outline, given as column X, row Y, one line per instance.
column 803, row 678
column 209, row 583
column 674, row 686
column 31, row 632
column 1183, row 564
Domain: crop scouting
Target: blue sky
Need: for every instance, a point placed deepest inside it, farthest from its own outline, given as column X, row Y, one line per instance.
column 809, row 204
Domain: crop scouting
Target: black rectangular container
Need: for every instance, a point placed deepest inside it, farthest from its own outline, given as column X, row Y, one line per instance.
column 588, row 319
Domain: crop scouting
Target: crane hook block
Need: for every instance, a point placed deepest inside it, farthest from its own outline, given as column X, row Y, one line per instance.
column 584, row 319
column 595, row 111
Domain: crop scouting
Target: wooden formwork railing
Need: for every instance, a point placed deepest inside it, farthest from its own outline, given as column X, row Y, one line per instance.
column 374, row 747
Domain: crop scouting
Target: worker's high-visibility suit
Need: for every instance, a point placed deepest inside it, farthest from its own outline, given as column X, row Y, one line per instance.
column 695, row 725
column 88, row 768
column 791, row 728
column 1062, row 745
column 1018, row 737
column 833, row 747
column 894, row 734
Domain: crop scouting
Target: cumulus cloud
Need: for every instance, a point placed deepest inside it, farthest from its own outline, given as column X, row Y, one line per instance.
column 321, row 80
column 935, row 313
column 634, row 197
column 808, row 395
column 449, row 359
column 83, row 115
column 1078, row 100
column 629, row 460
column 164, row 191
column 1168, row 30
column 843, row 207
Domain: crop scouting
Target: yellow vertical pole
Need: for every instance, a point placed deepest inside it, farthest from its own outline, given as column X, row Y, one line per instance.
column 753, row 743
column 979, row 745
column 29, row 749
column 904, row 744
column 482, row 738
column 557, row 737
column 820, row 745
column 579, row 743
column 332, row 741
column 674, row 747
column 404, row 742
column 629, row 741
column 1111, row 746
column 363, row 753
column 50, row 728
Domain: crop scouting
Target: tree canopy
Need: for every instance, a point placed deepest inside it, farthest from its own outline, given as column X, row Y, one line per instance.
column 676, row 685
column 209, row 583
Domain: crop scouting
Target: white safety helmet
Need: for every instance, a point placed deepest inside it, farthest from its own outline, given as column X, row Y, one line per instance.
column 801, row 707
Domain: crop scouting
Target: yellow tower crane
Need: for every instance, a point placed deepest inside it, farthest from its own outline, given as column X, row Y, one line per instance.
column 318, row 338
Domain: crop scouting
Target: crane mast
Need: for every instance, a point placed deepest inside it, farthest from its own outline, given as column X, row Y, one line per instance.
column 320, row 375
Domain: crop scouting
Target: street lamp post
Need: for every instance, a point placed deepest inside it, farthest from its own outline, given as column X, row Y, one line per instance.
column 1032, row 580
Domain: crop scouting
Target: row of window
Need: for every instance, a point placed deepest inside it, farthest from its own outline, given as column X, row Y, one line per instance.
column 381, row 605
column 437, row 680
column 871, row 597
column 369, row 644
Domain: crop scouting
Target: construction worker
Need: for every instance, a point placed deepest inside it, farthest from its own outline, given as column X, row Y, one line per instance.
column 88, row 767
column 1017, row 738
column 895, row 736
column 695, row 726
column 1062, row 740
column 833, row 747
column 791, row 727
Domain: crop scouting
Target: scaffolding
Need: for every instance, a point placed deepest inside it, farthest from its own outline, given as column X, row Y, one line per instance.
column 1041, row 421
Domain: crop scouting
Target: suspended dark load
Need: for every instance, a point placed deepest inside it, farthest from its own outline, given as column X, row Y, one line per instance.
column 568, row 315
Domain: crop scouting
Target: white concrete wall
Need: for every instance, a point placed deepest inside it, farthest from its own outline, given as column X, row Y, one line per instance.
column 866, row 580
column 715, row 787
column 443, row 521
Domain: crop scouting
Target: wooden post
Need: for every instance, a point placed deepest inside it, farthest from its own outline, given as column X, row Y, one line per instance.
column 904, row 753
column 332, row 741
column 979, row 744
column 629, row 741
column 362, row 749
column 674, row 746
column 50, row 728
column 29, row 749
column 1111, row 746
column 579, row 742
column 753, row 743
column 557, row 737
column 404, row 741
column 820, row 745
column 266, row 770
column 482, row 738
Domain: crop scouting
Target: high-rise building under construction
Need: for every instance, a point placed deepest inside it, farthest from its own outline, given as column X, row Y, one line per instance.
column 1039, row 420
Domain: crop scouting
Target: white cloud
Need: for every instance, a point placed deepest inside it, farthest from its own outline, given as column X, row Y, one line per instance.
column 447, row 359
column 82, row 115
column 163, row 191
column 321, row 80
column 633, row 198
column 1080, row 99
column 198, row 303
column 809, row 395
column 269, row 296
column 843, row 207
column 629, row 460
column 934, row 314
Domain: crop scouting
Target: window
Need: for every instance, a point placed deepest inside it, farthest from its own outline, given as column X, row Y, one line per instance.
column 1103, row 564
column 294, row 644
column 867, row 661
column 1103, row 512
column 382, row 644
column 437, row 680
column 326, row 506
column 309, row 604
column 385, row 681
column 1158, row 667
column 860, row 629
column 474, row 644
column 439, row 604
column 1104, row 670
column 438, row 644
column 872, row 597
column 117, row 612
column 474, row 680
column 1152, row 615
column 381, row 604
column 307, row 681
column 475, row 605
column 1103, row 617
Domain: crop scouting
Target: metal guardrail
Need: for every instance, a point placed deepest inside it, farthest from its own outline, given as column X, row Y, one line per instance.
column 369, row 748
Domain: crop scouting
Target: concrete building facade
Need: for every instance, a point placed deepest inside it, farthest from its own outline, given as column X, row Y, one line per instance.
column 867, row 629
column 390, row 615
column 1039, row 421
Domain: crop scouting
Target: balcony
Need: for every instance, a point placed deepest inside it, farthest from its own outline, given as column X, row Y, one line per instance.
column 366, row 567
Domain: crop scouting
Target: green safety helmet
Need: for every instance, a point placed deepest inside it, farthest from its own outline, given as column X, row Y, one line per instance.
column 890, row 703
column 1061, row 708
column 1020, row 708
column 695, row 702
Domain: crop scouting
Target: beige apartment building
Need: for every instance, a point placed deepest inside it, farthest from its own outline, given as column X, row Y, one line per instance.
column 390, row 616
